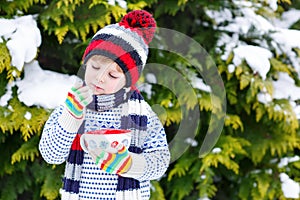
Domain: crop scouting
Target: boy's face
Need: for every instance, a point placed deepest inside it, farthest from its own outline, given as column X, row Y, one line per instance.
column 103, row 75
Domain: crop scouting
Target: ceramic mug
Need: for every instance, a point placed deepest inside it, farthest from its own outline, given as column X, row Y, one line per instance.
column 105, row 139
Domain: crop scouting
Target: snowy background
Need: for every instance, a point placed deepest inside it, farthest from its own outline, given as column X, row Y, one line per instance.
column 48, row 89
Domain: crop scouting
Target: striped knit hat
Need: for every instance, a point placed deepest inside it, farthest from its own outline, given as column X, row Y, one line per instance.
column 126, row 43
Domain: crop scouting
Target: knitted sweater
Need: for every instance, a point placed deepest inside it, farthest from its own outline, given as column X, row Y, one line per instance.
column 58, row 135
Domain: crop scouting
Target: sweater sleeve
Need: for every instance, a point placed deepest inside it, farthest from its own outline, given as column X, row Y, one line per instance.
column 57, row 136
column 154, row 161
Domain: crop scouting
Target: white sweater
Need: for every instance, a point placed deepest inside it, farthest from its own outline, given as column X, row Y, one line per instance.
column 58, row 135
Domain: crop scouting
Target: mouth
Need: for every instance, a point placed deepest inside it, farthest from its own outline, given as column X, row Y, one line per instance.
column 97, row 88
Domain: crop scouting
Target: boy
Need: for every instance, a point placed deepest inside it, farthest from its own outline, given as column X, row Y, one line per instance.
column 113, row 62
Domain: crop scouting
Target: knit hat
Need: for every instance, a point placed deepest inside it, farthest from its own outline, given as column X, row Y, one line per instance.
column 126, row 43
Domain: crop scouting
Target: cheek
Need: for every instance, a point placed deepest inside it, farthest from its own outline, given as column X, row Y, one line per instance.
column 89, row 76
column 115, row 85
column 120, row 83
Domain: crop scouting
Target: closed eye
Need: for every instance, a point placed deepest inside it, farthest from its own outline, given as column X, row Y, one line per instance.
column 95, row 67
column 112, row 76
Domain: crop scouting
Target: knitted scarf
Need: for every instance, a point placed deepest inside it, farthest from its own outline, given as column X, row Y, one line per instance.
column 133, row 117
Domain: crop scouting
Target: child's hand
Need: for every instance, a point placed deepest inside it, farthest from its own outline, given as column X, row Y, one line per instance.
column 113, row 163
column 78, row 98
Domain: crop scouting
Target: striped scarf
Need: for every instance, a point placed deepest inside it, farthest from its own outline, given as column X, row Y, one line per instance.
column 134, row 118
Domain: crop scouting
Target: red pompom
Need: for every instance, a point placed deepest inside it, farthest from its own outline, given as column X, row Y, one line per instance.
column 141, row 22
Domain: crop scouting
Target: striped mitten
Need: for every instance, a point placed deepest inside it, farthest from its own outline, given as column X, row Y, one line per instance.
column 113, row 163
column 78, row 98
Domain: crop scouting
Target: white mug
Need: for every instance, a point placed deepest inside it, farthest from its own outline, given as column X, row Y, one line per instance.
column 105, row 139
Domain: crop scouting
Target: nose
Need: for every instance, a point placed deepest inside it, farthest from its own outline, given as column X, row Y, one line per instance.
column 100, row 76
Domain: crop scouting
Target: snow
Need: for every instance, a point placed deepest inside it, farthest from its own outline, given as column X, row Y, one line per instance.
column 249, row 20
column 283, row 40
column 42, row 87
column 264, row 97
column 121, row 3
column 288, row 38
column 191, row 142
column 23, row 38
column 287, row 19
column 285, row 88
column 150, row 77
column 204, row 198
column 286, row 160
column 272, row 4
column 146, row 88
column 256, row 57
column 216, row 150
column 38, row 87
column 290, row 188
column 231, row 68
column 27, row 115
column 8, row 95
column 198, row 83
column 220, row 16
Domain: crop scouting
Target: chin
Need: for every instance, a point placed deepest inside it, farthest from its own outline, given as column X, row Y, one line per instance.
column 99, row 93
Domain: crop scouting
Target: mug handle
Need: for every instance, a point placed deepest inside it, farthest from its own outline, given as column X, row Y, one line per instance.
column 83, row 144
